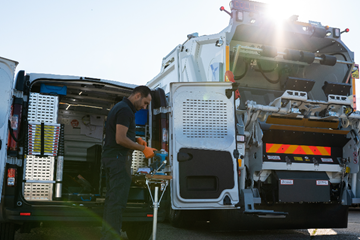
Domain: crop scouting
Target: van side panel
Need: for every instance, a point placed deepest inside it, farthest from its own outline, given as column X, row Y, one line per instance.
column 7, row 70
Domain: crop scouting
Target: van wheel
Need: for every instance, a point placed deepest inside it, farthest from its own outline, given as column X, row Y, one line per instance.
column 7, row 231
column 139, row 230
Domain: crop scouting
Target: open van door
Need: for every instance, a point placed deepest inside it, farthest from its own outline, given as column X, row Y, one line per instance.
column 203, row 130
column 7, row 71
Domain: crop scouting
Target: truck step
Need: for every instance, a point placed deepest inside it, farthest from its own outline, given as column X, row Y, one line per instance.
column 266, row 213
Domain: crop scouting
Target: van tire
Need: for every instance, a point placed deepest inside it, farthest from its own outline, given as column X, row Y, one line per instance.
column 139, row 231
column 7, row 231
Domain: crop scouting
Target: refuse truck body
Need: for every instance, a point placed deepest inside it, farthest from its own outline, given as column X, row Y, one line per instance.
column 259, row 124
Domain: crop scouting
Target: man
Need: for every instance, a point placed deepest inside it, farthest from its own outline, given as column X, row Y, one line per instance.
column 116, row 157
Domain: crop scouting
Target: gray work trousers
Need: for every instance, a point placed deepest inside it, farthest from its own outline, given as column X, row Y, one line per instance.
column 118, row 181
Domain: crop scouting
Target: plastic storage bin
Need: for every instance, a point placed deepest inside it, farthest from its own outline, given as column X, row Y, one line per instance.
column 54, row 90
column 141, row 117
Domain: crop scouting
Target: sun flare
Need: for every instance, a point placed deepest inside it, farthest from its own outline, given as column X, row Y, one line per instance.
column 278, row 11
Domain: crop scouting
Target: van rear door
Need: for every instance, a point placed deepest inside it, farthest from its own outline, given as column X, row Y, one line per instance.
column 7, row 71
column 203, row 133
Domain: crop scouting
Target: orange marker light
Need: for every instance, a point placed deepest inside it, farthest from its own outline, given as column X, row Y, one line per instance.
column 11, row 177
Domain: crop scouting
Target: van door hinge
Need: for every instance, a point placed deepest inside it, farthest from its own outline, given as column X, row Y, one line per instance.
column 161, row 110
column 0, row 144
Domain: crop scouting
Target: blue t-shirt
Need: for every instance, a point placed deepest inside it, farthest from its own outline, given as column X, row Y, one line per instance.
column 122, row 113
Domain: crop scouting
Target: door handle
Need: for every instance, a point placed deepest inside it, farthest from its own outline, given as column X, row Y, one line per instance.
column 182, row 156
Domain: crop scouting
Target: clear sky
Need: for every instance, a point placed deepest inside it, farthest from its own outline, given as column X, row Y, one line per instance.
column 126, row 40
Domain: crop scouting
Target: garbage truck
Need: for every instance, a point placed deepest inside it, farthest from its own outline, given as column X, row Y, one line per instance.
column 259, row 124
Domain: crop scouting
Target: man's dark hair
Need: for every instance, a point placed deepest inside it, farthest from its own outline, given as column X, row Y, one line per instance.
column 144, row 90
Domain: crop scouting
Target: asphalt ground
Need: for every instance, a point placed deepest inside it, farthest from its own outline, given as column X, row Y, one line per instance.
column 200, row 231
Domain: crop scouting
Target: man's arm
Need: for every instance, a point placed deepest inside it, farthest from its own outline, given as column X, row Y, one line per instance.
column 124, row 141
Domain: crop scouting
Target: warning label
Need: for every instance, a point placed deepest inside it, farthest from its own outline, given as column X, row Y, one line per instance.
column 75, row 123
column 327, row 160
column 287, row 182
column 322, row 182
column 271, row 157
column 355, row 71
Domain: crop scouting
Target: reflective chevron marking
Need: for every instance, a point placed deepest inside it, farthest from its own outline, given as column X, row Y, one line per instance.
column 298, row 149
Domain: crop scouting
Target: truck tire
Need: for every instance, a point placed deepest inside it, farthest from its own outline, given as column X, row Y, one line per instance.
column 7, row 231
column 139, row 231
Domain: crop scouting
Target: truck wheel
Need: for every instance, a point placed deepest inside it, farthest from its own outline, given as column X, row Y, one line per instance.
column 179, row 219
column 139, row 231
column 7, row 231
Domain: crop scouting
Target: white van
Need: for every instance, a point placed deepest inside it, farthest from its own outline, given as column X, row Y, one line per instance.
column 51, row 135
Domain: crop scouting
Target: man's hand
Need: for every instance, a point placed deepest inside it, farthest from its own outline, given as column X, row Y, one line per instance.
column 141, row 142
column 149, row 152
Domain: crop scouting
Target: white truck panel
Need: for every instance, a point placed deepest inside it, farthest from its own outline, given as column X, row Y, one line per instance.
column 169, row 72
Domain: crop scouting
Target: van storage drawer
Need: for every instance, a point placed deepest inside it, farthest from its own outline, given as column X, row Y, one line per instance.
column 39, row 177
column 39, row 168
column 38, row 191
column 43, row 108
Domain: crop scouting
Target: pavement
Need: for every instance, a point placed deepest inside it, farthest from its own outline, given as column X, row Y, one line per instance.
column 201, row 231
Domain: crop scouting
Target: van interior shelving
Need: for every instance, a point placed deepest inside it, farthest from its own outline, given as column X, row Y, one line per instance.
column 81, row 109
